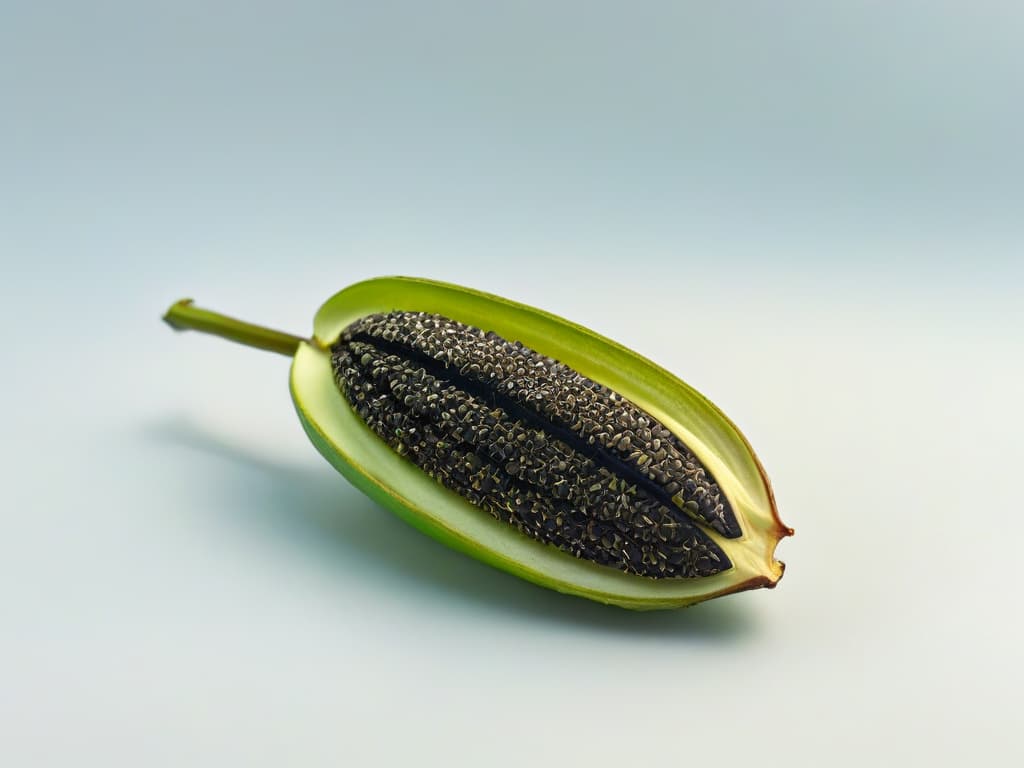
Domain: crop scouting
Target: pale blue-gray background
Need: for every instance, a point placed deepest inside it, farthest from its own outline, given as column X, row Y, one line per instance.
column 810, row 211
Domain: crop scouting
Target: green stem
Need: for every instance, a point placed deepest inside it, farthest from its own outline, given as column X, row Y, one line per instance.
column 184, row 315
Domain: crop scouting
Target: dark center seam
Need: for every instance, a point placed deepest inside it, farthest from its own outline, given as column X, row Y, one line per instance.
column 596, row 453
column 722, row 564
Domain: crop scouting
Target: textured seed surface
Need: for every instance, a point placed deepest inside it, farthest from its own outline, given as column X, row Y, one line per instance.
column 535, row 444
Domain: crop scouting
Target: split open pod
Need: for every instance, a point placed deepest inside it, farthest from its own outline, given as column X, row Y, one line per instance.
column 528, row 442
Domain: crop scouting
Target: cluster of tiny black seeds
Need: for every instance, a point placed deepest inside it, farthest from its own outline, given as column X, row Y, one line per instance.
column 563, row 396
column 518, row 473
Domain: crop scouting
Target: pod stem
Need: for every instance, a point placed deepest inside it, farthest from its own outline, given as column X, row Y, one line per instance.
column 185, row 316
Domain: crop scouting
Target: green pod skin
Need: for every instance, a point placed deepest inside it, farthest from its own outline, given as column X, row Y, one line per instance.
column 398, row 484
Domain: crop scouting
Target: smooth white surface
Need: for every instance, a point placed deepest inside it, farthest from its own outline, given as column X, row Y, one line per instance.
column 811, row 214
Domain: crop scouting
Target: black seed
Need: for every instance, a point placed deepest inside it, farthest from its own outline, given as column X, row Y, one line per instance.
column 435, row 390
